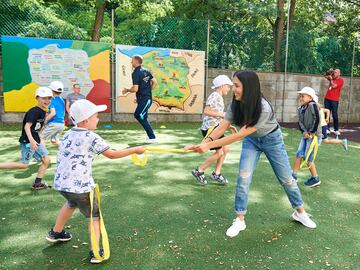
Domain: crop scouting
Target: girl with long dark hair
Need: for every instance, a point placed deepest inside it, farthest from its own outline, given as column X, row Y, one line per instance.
column 260, row 132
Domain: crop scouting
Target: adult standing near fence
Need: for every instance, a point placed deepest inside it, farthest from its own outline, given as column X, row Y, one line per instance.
column 143, row 83
column 332, row 97
column 71, row 98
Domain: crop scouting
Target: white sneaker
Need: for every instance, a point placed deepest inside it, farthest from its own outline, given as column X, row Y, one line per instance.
column 151, row 140
column 304, row 219
column 337, row 133
column 237, row 226
column 332, row 130
column 328, row 132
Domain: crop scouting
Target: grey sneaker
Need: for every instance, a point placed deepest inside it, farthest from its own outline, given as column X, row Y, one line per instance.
column 200, row 177
column 344, row 143
column 219, row 178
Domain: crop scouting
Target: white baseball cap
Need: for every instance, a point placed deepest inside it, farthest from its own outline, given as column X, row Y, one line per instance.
column 57, row 86
column 221, row 80
column 43, row 92
column 309, row 91
column 82, row 109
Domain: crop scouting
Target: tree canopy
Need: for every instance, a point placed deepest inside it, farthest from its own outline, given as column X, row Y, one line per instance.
column 243, row 34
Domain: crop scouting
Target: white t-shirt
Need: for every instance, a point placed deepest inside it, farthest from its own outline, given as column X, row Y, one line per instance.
column 74, row 160
column 216, row 103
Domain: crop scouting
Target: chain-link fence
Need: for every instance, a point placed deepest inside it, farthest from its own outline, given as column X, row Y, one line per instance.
column 228, row 45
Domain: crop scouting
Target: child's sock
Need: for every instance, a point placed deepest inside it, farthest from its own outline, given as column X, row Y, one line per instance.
column 37, row 180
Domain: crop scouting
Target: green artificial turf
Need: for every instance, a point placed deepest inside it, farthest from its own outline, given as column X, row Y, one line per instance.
column 158, row 217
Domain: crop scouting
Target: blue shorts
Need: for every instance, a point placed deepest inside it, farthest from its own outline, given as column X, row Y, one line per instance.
column 27, row 153
column 304, row 148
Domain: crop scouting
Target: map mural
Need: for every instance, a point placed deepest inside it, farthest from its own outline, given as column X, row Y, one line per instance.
column 179, row 74
column 32, row 62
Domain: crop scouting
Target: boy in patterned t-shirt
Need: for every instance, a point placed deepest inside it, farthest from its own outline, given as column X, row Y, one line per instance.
column 73, row 176
column 213, row 115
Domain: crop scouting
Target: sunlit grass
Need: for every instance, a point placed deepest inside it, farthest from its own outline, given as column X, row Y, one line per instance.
column 158, row 217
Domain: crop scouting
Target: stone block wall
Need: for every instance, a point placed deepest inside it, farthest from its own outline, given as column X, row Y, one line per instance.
column 272, row 85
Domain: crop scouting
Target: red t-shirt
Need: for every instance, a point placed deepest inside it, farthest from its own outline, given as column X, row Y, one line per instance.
column 333, row 93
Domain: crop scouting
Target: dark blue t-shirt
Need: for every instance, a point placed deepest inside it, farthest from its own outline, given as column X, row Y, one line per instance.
column 142, row 77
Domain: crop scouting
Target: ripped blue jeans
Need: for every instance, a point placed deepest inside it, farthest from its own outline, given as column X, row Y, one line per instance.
column 273, row 147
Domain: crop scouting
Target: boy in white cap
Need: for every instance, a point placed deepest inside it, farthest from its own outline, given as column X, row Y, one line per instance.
column 55, row 119
column 73, row 175
column 213, row 115
column 309, row 125
column 30, row 143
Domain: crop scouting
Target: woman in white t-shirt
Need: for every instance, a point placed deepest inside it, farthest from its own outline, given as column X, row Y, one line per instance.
column 260, row 132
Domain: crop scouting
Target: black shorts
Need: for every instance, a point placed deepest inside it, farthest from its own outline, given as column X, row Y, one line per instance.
column 204, row 132
column 82, row 201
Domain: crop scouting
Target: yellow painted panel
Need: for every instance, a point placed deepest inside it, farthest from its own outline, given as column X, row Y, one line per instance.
column 100, row 66
column 20, row 100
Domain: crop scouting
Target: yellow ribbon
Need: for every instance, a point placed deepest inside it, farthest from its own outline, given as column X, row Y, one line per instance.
column 314, row 146
column 142, row 162
column 103, row 233
column 209, row 131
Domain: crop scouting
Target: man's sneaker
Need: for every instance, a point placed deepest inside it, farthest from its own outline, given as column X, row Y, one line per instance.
column 332, row 130
column 237, row 226
column 337, row 133
column 41, row 185
column 219, row 178
column 92, row 256
column 199, row 176
column 54, row 237
column 151, row 140
column 328, row 132
column 313, row 181
column 344, row 143
column 304, row 219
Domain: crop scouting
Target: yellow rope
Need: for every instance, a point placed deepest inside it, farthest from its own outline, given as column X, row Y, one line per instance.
column 142, row 162
column 314, row 146
column 103, row 233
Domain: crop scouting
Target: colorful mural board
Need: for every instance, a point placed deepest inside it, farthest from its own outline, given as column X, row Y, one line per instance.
column 29, row 63
column 179, row 74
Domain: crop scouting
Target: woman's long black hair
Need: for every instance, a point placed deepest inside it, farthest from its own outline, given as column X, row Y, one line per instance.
column 247, row 111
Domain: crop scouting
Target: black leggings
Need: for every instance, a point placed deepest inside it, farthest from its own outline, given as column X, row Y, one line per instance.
column 333, row 107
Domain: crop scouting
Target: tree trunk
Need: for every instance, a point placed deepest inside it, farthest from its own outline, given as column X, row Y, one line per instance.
column 278, row 33
column 278, row 28
column 99, row 19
